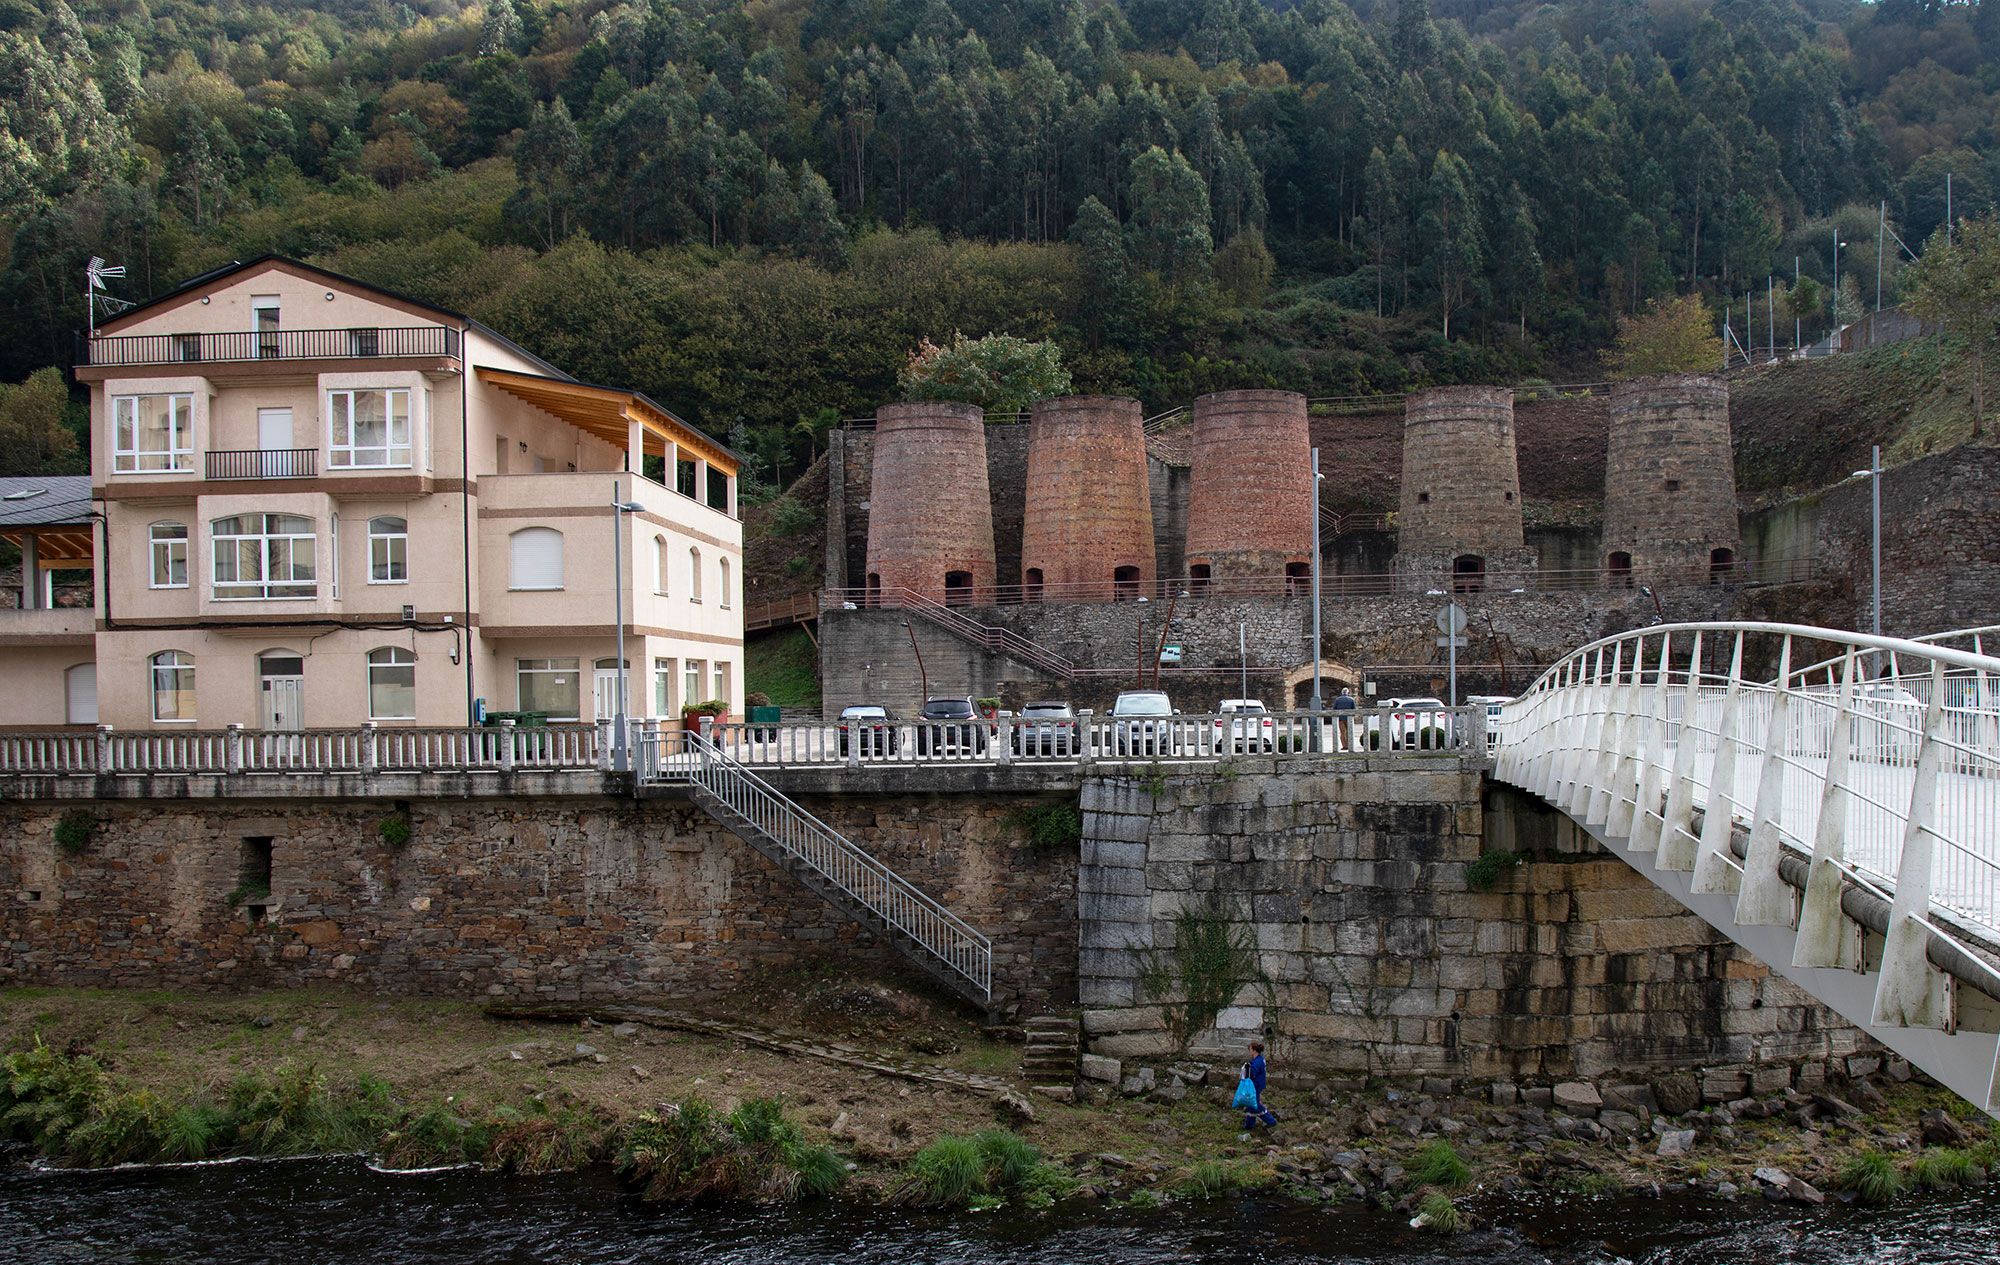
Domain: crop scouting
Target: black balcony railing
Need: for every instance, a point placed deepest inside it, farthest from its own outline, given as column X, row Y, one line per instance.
column 264, row 463
column 282, row 344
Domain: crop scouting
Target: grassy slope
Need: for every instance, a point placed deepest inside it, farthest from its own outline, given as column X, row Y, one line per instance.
column 785, row 666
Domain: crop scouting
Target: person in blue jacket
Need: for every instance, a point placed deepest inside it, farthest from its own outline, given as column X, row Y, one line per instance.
column 1254, row 1072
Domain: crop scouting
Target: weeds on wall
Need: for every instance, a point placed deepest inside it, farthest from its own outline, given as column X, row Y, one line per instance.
column 1213, row 959
column 74, row 830
column 1049, row 827
column 395, row 829
column 1483, row 873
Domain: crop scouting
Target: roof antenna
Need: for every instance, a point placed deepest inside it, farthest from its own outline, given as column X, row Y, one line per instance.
column 95, row 273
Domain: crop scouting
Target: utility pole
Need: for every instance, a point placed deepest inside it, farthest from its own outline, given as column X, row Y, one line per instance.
column 1318, row 699
column 1243, row 659
column 1881, row 226
column 621, row 752
column 1798, row 325
column 1771, row 316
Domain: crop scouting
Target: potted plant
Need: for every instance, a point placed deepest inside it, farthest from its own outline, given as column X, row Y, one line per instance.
column 757, row 710
column 691, row 713
column 988, row 707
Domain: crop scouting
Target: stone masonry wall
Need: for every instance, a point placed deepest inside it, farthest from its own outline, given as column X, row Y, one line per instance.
column 542, row 900
column 1379, row 958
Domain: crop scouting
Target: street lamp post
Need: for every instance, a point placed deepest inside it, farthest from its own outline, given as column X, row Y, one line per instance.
column 1833, row 304
column 1318, row 698
column 621, row 752
column 1243, row 659
column 1874, row 475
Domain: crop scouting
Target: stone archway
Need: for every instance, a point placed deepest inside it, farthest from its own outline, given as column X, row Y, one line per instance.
column 1333, row 675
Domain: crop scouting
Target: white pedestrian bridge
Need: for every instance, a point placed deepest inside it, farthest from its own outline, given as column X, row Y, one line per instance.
column 1828, row 800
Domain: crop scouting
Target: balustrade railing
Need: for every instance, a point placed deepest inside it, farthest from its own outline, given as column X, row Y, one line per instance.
column 261, row 463
column 363, row 342
column 503, row 747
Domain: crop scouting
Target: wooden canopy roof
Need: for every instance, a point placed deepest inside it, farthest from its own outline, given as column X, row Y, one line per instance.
column 607, row 412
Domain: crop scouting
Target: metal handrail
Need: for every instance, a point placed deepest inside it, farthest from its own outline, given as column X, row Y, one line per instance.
column 353, row 343
column 948, row 938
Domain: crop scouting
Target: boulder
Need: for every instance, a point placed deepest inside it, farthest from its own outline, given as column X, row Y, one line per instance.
column 1578, row 1098
column 1939, row 1129
column 1098, row 1067
column 1677, row 1093
column 1620, row 1122
column 1676, row 1142
column 1504, row 1093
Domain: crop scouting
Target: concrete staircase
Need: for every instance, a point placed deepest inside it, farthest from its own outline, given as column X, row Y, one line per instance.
column 1055, row 1047
column 939, row 942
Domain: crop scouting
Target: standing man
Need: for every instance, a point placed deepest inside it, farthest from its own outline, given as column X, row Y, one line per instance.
column 1343, row 708
column 1253, row 1071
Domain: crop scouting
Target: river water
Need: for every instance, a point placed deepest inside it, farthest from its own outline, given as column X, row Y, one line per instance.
column 313, row 1211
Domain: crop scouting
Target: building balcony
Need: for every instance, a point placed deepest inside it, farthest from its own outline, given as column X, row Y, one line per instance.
column 62, row 625
column 287, row 344
column 262, row 463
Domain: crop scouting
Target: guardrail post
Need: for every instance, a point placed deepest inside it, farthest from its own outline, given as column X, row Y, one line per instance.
column 1712, row 873
column 232, row 749
column 1677, row 846
column 1082, row 732
column 370, row 756
column 507, row 744
column 1765, row 900
column 605, row 741
column 1910, row 992
column 1003, row 738
column 104, row 749
column 1822, row 931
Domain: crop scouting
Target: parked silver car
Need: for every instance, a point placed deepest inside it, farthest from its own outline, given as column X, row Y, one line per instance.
column 1142, row 723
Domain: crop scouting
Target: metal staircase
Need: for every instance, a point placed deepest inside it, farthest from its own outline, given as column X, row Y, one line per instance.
column 1841, row 821
column 838, row 871
column 987, row 637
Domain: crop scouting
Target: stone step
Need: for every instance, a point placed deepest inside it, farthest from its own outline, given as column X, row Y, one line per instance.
column 1051, row 1023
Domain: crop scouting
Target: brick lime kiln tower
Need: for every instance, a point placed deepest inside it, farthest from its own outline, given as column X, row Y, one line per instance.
column 1461, row 506
column 930, row 514
column 1250, row 502
column 1670, row 478
column 1087, row 534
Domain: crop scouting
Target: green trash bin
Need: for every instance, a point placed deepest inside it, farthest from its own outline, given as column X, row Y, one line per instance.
column 770, row 716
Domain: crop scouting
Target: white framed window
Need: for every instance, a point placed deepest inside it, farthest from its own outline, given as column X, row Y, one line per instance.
column 548, row 685
column 694, row 573
column 173, row 685
column 152, row 434
column 392, row 684
column 721, row 675
column 264, row 557
column 661, row 559
column 169, row 542
column 691, row 682
column 535, row 559
column 368, row 428
column 388, row 550
column 663, row 687
column 723, row 596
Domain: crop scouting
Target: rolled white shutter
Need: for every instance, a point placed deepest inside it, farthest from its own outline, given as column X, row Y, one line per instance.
column 81, row 687
column 537, row 561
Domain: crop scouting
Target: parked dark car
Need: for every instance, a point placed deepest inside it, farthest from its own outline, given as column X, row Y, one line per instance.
column 1046, row 729
column 950, row 726
column 871, row 728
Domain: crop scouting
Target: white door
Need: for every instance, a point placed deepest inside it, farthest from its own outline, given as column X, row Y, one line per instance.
column 284, row 703
column 604, row 690
column 274, row 437
column 81, row 683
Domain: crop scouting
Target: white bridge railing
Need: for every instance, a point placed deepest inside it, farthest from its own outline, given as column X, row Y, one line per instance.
column 1873, row 762
column 370, row 748
column 946, row 939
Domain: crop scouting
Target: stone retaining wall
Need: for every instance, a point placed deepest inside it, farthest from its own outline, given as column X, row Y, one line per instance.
column 536, row 900
column 1379, row 958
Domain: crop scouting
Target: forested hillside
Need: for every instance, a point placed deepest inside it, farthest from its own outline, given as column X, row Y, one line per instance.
column 753, row 211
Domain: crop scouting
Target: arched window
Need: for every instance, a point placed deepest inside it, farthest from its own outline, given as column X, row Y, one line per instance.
column 392, row 684
column 1031, row 589
column 535, row 559
column 264, row 556
column 1124, row 583
column 1618, row 565
column 388, row 551
column 1720, row 563
column 1468, row 573
column 723, row 597
column 694, row 574
column 173, row 685
column 660, row 567
column 170, row 555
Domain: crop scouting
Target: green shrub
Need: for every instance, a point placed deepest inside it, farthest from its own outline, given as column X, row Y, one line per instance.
column 1483, row 873
column 983, row 1169
column 1437, row 1164
column 558, row 1142
column 435, row 1135
column 693, row 1153
column 1437, row 1214
column 395, row 829
column 1872, row 1176
column 45, row 1094
column 1943, row 1168
column 1050, row 827
column 73, row 831
column 1208, row 1179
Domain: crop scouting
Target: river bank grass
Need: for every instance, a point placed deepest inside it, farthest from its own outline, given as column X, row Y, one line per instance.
column 105, row 1077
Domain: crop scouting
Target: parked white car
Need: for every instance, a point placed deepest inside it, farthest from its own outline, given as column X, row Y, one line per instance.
column 1250, row 730
column 1142, row 723
column 1410, row 722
